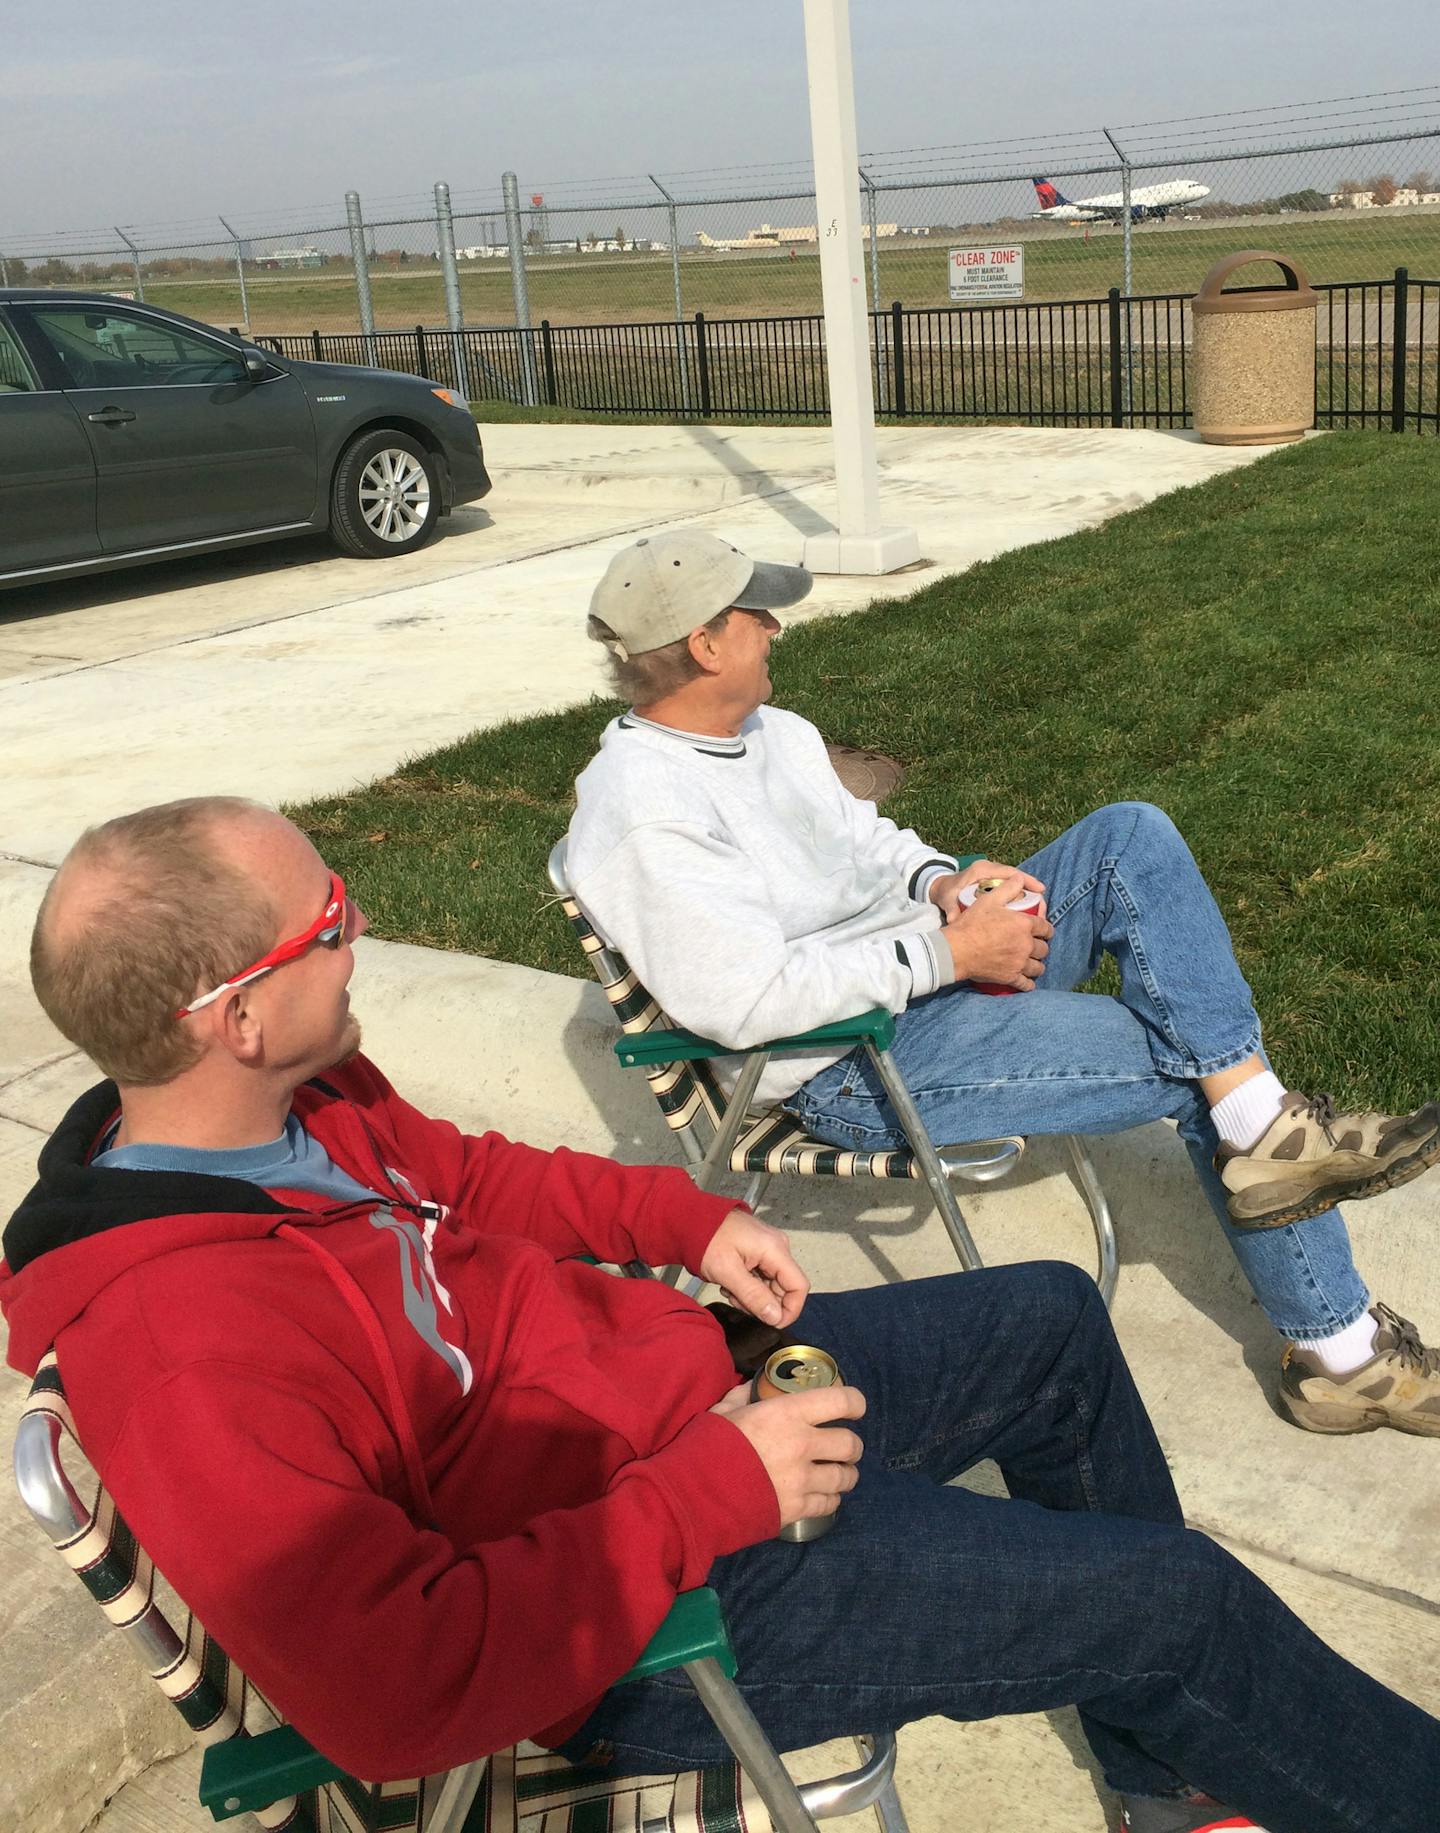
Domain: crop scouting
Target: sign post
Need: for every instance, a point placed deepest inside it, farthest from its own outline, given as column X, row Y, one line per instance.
column 979, row 275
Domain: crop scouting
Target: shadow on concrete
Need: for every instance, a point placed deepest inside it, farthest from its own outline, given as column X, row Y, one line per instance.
column 1161, row 1216
column 97, row 590
column 801, row 516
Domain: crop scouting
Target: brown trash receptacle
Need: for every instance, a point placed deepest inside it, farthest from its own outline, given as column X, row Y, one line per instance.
column 1254, row 355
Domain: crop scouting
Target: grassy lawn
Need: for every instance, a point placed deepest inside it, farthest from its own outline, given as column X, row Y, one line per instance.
column 611, row 289
column 1260, row 655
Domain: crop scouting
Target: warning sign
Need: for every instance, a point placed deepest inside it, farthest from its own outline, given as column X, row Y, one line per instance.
column 978, row 275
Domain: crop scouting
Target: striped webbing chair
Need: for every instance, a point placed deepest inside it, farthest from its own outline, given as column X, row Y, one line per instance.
column 721, row 1134
column 256, row 1764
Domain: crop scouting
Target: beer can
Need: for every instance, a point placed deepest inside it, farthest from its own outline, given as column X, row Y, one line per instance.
column 1027, row 904
column 797, row 1369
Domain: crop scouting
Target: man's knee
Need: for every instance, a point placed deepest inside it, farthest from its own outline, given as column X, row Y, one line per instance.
column 1141, row 821
column 1057, row 1299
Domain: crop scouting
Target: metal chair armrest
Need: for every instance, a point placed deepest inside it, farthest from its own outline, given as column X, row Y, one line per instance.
column 243, row 1775
column 636, row 1048
column 693, row 1630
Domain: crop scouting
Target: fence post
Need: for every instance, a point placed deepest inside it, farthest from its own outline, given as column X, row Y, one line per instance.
column 547, row 349
column 454, row 310
column 869, row 185
column 361, row 263
column 1399, row 355
column 897, row 358
column 422, row 361
column 315, row 349
column 510, row 186
column 702, row 365
column 134, row 261
column 240, row 271
column 1117, row 399
column 680, row 350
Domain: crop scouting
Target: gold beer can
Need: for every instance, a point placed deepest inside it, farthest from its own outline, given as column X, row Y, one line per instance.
column 798, row 1369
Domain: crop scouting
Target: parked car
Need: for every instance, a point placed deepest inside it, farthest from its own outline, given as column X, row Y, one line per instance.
column 129, row 434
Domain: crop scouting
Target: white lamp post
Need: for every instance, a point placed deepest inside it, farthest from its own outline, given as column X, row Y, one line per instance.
column 859, row 543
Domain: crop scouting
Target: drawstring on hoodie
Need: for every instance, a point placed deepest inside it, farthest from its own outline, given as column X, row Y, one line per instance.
column 369, row 1321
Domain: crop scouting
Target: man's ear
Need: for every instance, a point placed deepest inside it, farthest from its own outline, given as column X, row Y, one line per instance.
column 703, row 652
column 236, row 1026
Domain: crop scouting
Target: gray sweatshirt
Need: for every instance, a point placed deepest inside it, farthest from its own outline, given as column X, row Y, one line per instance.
column 754, row 896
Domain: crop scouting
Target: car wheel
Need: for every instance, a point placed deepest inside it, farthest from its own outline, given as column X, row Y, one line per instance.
column 386, row 495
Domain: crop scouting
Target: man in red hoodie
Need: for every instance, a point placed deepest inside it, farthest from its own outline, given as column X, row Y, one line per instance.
column 433, row 1480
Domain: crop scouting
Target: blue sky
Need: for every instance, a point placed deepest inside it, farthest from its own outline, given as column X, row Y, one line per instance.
column 166, row 113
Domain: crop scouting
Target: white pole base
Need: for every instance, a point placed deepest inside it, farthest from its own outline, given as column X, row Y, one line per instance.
column 883, row 552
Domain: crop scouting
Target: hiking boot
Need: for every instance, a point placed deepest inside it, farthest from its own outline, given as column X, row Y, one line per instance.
column 1196, row 1814
column 1399, row 1386
column 1310, row 1157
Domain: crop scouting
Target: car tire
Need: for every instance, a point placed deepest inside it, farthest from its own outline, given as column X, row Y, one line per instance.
column 385, row 499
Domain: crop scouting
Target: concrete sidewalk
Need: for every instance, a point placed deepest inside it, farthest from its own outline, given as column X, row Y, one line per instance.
column 292, row 672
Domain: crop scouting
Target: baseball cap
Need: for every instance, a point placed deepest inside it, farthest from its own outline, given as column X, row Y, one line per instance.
column 662, row 587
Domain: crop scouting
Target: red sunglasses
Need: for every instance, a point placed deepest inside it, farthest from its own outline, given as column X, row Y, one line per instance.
column 328, row 930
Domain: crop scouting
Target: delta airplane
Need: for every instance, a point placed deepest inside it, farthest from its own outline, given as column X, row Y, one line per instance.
column 1146, row 201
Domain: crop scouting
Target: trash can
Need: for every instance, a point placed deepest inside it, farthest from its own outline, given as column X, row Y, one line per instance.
column 1254, row 355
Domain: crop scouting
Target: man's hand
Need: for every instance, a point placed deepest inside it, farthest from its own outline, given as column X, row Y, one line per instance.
column 988, row 942
column 752, row 1263
column 808, row 1458
column 944, row 892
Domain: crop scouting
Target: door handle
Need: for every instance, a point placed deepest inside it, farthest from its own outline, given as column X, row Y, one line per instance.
column 111, row 416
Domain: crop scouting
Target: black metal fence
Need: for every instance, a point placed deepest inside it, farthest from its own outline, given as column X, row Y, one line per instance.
column 1117, row 361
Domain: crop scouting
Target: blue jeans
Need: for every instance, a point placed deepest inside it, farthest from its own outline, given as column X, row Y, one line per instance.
column 1085, row 1588
column 1121, row 882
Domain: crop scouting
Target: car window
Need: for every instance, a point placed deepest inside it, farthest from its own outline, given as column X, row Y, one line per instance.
column 101, row 349
column 15, row 376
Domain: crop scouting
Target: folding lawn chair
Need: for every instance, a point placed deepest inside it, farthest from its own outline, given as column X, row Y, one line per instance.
column 720, row 1134
column 255, row 1763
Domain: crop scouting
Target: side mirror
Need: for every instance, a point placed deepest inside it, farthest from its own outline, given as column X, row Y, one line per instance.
column 257, row 364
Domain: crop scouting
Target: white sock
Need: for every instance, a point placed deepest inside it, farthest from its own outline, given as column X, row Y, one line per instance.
column 1343, row 1353
column 1243, row 1115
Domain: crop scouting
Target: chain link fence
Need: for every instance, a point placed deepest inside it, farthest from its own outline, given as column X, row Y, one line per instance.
column 707, row 285
column 1350, row 189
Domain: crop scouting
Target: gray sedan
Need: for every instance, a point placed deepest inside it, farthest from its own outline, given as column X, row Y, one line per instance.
column 129, row 434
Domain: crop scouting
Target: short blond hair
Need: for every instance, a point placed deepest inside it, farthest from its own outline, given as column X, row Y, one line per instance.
column 164, row 916
column 654, row 673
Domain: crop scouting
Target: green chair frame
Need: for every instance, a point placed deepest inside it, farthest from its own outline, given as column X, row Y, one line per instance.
column 721, row 1134
column 254, row 1762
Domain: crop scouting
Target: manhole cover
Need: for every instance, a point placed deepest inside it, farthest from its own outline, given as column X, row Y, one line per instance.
column 870, row 775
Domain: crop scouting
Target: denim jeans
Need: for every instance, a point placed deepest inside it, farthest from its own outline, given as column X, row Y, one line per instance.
column 1121, row 882
column 1084, row 1588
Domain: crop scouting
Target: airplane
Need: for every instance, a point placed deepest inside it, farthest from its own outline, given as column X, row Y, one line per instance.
column 1146, row 201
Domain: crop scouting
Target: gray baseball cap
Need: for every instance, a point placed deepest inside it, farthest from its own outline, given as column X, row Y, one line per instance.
column 662, row 587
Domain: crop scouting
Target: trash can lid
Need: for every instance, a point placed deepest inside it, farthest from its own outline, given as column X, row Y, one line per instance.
column 1296, row 293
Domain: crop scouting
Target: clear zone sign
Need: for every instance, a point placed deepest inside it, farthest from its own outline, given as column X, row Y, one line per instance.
column 987, row 273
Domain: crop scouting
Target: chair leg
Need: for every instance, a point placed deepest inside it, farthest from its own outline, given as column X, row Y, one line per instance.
column 926, row 1156
column 1096, row 1202
column 756, row 1188
column 892, row 1815
column 457, row 1796
column 754, row 1752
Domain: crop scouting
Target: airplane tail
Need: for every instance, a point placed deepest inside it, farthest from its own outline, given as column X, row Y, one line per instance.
column 1048, row 196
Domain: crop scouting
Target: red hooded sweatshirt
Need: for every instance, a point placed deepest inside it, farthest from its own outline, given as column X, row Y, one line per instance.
column 432, row 1482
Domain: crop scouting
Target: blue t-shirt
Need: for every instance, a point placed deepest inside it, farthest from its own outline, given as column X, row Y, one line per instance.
column 294, row 1161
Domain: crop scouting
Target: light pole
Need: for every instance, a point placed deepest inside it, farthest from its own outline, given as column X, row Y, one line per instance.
column 859, row 543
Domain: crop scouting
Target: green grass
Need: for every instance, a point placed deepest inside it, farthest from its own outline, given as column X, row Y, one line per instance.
column 606, row 289
column 1260, row 655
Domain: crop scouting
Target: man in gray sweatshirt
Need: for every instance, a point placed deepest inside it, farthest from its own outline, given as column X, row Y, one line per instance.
column 755, row 898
